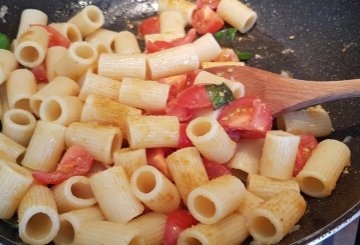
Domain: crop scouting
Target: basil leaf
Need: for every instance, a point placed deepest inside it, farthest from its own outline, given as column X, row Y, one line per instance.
column 219, row 94
column 225, row 36
column 244, row 56
column 4, row 41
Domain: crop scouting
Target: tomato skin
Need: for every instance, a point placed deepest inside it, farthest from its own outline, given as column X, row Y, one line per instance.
column 194, row 97
column 156, row 158
column 174, row 109
column 177, row 221
column 177, row 84
column 40, row 73
column 206, row 20
column 151, row 47
column 247, row 116
column 76, row 161
column 306, row 146
column 184, row 140
column 55, row 37
column 213, row 4
column 149, row 26
column 214, row 169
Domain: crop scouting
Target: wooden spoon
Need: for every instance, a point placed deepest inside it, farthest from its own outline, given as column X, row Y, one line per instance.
column 285, row 94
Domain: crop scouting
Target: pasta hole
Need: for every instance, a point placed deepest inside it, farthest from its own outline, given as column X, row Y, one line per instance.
column 23, row 104
column 93, row 15
column 73, row 35
column 102, row 48
column 313, row 185
column 84, row 52
column 192, row 241
column 250, row 22
column 116, row 143
column 82, row 191
column 201, row 128
column 204, row 206
column 29, row 54
column 136, row 241
column 146, row 182
column 112, row 46
column 66, row 233
column 53, row 110
column 39, row 226
column 263, row 227
column 20, row 119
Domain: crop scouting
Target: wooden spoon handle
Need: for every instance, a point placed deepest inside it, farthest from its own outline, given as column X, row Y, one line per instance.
column 307, row 93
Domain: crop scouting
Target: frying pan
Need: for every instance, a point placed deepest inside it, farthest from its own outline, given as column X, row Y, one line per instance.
column 315, row 40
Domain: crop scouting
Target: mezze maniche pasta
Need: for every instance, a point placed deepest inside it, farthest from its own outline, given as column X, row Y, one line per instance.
column 119, row 141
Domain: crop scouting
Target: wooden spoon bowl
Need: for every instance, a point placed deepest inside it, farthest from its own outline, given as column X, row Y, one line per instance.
column 285, row 94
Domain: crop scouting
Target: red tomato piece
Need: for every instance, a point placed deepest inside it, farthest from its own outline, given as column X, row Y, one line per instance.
column 213, row 4
column 247, row 115
column 206, row 20
column 177, row 221
column 173, row 109
column 40, row 73
column 55, row 37
column 76, row 161
column 151, row 47
column 149, row 26
column 227, row 55
column 194, row 97
column 190, row 77
column 177, row 84
column 184, row 140
column 214, row 169
column 306, row 146
column 156, row 158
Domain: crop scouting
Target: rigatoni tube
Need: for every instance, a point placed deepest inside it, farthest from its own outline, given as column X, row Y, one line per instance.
column 101, row 141
column 88, row 20
column 19, row 125
column 187, row 170
column 118, row 66
column 275, row 161
column 216, row 199
column 8, row 63
column 272, row 220
column 78, row 58
column 210, row 139
column 231, row 230
column 173, row 61
column 38, row 217
column 71, row 222
column 112, row 190
column 152, row 131
column 31, row 46
column 156, row 191
column 319, row 176
column 15, row 181
column 73, row 193
column 147, row 95
column 98, row 232
column 45, row 147
column 237, row 14
column 20, row 86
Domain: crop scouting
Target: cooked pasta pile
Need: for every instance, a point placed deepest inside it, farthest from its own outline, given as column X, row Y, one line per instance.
column 105, row 143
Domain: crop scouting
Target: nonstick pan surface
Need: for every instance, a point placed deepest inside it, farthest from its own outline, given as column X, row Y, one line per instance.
column 314, row 40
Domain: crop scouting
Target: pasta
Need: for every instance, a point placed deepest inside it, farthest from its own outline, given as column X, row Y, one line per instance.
column 18, row 125
column 112, row 190
column 31, row 46
column 116, row 142
column 8, row 63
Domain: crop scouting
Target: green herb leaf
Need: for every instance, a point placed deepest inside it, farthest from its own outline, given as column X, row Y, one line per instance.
column 219, row 94
column 244, row 56
column 225, row 36
column 4, row 41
